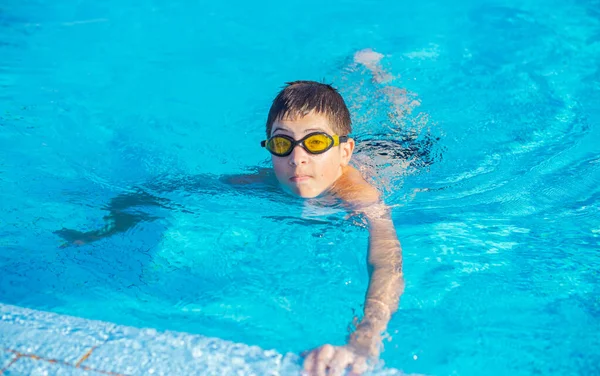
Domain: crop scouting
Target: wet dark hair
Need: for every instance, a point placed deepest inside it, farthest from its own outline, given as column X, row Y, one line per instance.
column 299, row 98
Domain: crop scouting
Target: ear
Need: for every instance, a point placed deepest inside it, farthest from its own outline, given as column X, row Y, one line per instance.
column 346, row 149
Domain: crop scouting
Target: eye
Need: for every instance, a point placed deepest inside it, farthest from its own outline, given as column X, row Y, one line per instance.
column 316, row 142
column 281, row 143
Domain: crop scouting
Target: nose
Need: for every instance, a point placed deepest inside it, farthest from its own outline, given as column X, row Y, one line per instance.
column 298, row 156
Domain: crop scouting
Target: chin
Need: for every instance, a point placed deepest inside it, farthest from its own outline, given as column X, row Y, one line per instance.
column 304, row 193
column 309, row 195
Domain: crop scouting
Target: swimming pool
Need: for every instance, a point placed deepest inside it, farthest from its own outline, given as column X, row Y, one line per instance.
column 497, row 207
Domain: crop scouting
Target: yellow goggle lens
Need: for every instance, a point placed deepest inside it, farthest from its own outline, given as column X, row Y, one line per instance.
column 279, row 145
column 317, row 143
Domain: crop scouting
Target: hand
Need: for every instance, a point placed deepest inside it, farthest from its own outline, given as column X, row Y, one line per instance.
column 331, row 360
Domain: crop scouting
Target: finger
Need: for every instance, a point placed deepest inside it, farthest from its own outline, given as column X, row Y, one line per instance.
column 309, row 362
column 359, row 366
column 325, row 354
column 339, row 362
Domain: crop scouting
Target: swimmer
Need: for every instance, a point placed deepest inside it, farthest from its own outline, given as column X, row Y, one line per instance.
column 308, row 129
column 308, row 137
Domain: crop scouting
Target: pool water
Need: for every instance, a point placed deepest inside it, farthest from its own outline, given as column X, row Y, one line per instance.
column 494, row 186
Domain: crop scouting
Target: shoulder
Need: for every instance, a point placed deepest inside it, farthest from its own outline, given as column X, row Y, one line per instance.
column 353, row 189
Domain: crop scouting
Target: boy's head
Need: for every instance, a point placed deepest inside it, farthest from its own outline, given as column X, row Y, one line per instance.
column 299, row 98
column 304, row 108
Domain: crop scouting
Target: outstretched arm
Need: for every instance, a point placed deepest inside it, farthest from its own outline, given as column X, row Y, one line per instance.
column 120, row 218
column 126, row 210
column 386, row 283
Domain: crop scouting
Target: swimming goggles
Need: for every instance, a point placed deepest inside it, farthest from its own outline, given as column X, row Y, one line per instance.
column 314, row 143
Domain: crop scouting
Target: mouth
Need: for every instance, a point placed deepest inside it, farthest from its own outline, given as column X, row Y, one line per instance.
column 299, row 178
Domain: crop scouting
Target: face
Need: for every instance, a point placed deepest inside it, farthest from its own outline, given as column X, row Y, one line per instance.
column 304, row 174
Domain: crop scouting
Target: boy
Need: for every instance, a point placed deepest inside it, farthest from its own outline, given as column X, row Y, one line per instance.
column 307, row 135
column 307, row 130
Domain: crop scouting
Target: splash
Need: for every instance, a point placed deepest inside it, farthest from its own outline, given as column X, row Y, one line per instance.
column 393, row 138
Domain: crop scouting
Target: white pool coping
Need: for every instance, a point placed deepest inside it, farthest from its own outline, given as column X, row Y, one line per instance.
column 36, row 342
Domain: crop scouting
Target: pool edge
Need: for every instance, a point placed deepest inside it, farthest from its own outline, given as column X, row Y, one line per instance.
column 51, row 342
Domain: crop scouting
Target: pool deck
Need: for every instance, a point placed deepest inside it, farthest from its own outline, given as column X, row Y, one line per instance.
column 36, row 342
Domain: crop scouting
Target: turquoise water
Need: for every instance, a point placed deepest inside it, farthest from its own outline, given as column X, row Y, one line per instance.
column 496, row 199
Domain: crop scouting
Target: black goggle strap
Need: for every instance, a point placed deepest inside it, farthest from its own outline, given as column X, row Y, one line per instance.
column 339, row 139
